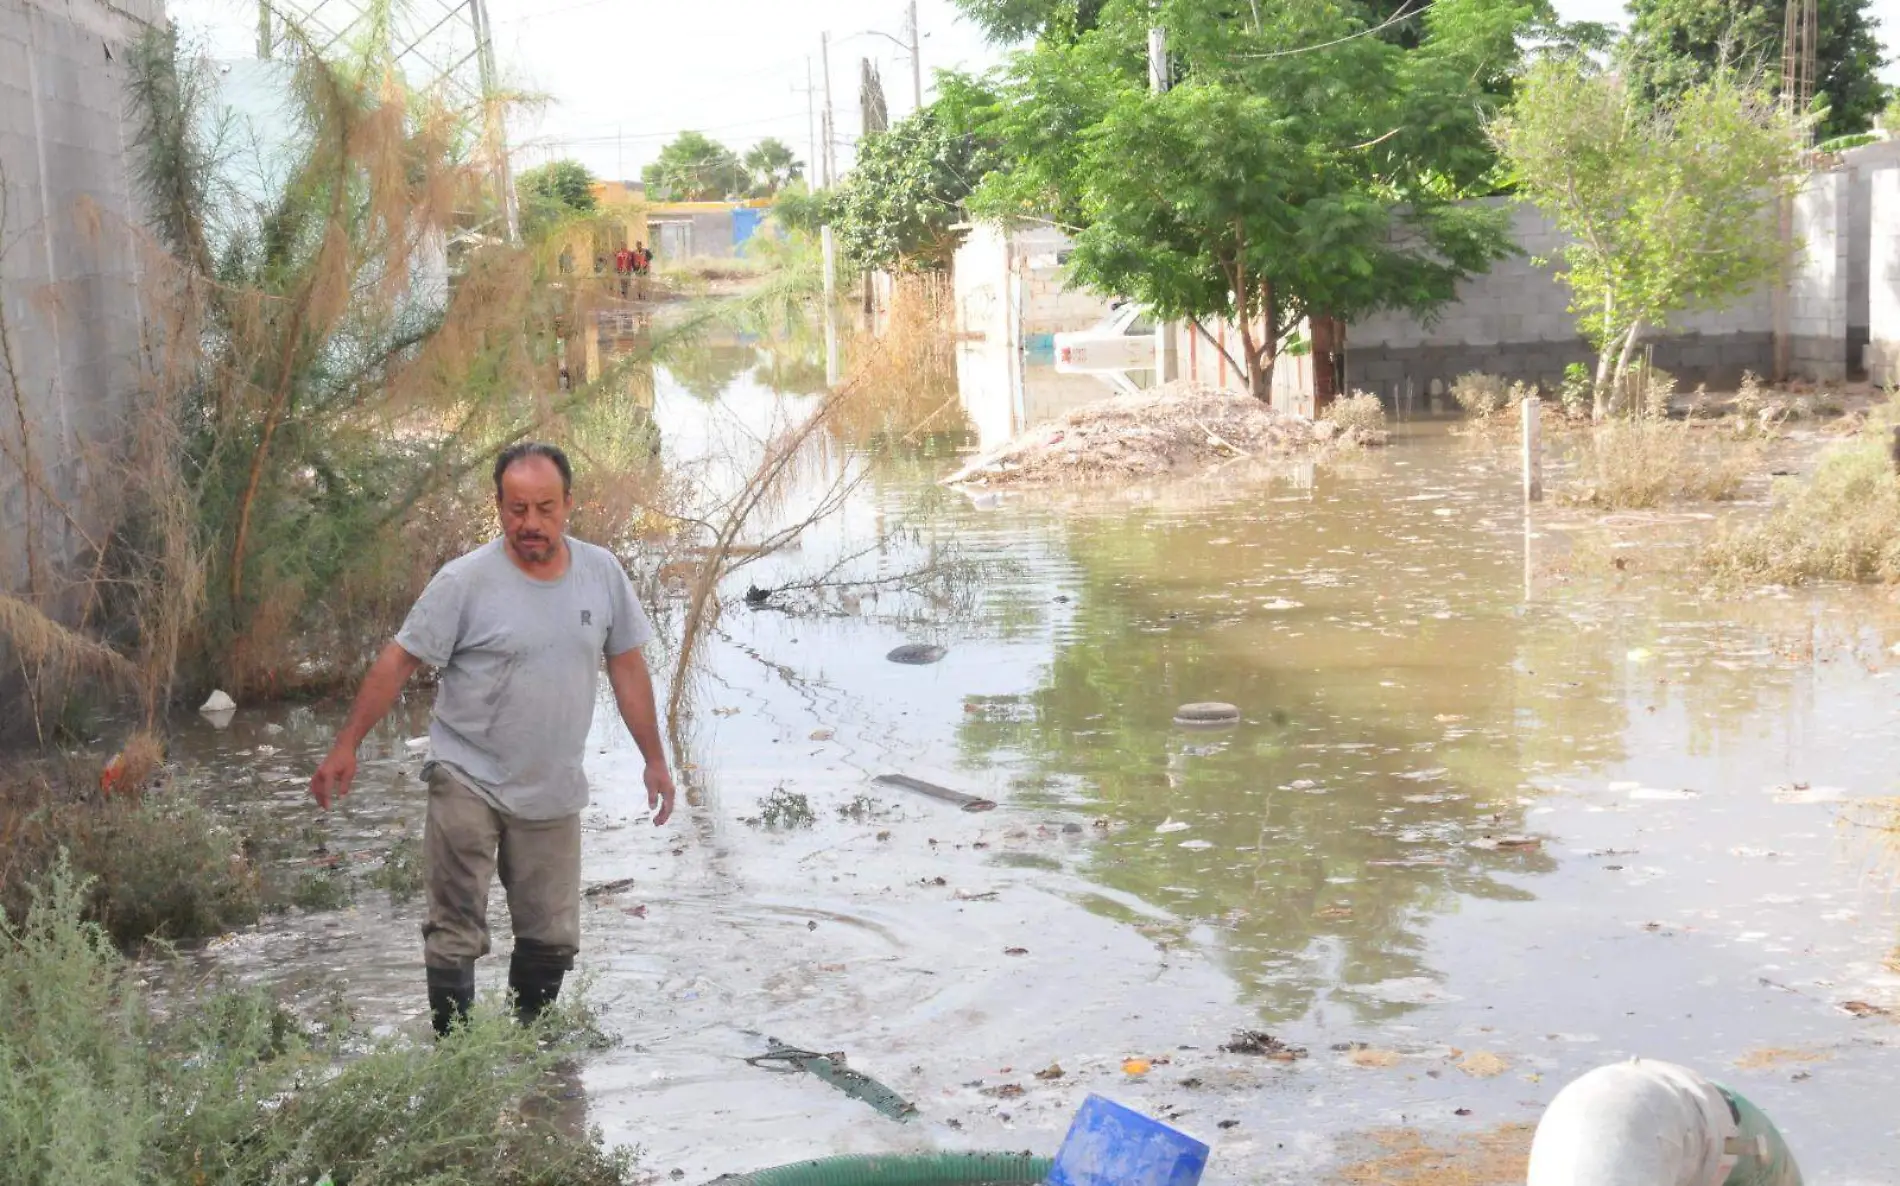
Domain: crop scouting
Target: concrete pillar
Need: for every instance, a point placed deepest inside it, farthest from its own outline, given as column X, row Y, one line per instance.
column 1883, row 277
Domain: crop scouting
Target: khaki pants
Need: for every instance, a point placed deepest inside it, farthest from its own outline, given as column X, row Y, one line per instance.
column 465, row 842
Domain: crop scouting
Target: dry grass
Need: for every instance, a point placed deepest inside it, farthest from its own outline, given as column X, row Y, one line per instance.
column 1841, row 524
column 1643, row 464
column 1484, row 396
column 1764, row 1058
column 1405, row 1157
column 1179, row 428
column 1360, row 418
column 1375, row 1060
column 1480, row 1064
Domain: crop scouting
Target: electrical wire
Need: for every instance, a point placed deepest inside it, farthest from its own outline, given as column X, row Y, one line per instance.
column 1401, row 15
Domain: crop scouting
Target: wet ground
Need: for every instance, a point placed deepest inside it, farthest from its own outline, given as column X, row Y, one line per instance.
column 1483, row 826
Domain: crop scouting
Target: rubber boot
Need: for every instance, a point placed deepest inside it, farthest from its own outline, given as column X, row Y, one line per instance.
column 451, row 995
column 534, row 979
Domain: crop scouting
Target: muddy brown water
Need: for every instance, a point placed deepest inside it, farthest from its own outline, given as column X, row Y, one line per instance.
column 1560, row 825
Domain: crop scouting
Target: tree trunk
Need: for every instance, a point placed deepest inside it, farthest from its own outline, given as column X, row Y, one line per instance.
column 1599, row 395
column 1329, row 338
column 1621, row 382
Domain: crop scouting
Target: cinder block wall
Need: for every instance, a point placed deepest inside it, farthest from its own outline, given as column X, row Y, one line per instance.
column 1515, row 319
column 1883, row 306
column 68, row 279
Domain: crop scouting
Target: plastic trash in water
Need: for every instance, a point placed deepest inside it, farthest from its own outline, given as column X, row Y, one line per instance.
column 1109, row 1145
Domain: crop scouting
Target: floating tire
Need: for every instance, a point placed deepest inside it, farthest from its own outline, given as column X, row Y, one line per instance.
column 917, row 654
column 1210, row 714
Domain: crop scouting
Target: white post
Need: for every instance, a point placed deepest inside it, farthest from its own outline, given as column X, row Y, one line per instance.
column 1533, row 449
column 828, row 250
column 1167, row 364
column 824, row 53
column 916, row 58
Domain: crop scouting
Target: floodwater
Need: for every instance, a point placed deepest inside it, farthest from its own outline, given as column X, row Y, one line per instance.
column 1477, row 806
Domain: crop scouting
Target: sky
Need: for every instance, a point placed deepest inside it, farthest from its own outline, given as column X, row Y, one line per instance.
column 620, row 78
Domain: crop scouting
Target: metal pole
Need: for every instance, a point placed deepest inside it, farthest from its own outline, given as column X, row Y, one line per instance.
column 812, row 168
column 916, row 58
column 1166, row 348
column 1533, row 449
column 497, row 130
column 824, row 51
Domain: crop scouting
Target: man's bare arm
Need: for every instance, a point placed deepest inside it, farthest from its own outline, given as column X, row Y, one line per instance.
column 633, row 692
column 374, row 699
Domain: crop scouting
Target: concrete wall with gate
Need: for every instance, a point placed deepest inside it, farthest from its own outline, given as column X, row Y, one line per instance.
column 1883, row 282
column 1515, row 319
column 70, row 269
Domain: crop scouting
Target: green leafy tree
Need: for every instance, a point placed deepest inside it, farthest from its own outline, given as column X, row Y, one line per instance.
column 799, row 208
column 1269, row 184
column 1013, row 20
column 896, row 209
column 695, row 168
column 1675, row 45
column 772, row 166
column 553, row 191
column 1667, row 209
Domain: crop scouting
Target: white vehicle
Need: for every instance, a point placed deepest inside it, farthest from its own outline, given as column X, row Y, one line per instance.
column 1122, row 341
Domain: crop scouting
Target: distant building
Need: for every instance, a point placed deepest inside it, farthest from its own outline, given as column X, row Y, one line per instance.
column 681, row 230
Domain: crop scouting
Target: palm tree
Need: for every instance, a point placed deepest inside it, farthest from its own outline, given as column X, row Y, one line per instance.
column 772, row 166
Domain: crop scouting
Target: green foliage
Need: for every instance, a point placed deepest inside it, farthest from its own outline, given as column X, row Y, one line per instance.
column 1840, row 524
column 782, row 810
column 97, row 1087
column 1483, row 396
column 695, row 168
column 1266, row 186
column 1667, row 209
column 1674, row 46
column 772, row 166
column 799, row 208
column 1009, row 21
column 552, row 192
column 158, row 866
column 894, row 211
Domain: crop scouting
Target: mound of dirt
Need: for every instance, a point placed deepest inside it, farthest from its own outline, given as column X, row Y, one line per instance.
column 1179, row 428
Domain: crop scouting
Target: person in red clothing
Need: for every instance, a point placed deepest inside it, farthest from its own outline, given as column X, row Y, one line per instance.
column 624, row 261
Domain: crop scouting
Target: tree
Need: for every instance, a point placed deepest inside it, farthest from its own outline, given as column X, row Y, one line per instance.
column 553, row 191
column 1267, row 186
column 896, row 208
column 1674, row 45
column 772, row 166
column 799, row 209
column 1009, row 21
column 1667, row 208
column 695, row 168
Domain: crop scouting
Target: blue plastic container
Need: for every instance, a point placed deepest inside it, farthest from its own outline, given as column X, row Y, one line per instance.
column 1109, row 1145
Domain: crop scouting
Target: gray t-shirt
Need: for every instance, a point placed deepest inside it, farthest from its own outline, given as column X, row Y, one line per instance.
column 520, row 662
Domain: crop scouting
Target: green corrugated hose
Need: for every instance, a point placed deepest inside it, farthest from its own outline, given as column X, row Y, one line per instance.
column 903, row 1169
column 1768, row 1160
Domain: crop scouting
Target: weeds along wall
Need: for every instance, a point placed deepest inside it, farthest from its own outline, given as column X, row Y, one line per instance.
column 1515, row 320
column 68, row 273
column 69, row 315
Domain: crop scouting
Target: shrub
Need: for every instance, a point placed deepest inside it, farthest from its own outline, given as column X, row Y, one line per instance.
column 1483, row 396
column 1842, row 524
column 156, row 865
column 96, row 1086
column 1577, row 390
column 1360, row 416
column 1641, row 464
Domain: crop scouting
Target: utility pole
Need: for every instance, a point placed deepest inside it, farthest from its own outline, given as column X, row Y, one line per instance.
column 492, row 117
column 831, row 160
column 1166, row 364
column 812, row 170
column 916, row 59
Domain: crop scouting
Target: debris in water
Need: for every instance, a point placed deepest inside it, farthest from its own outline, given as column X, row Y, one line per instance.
column 1374, row 1060
column 1136, row 1066
column 1051, row 1073
column 1663, row 795
column 218, row 701
column 832, row 1069
column 416, row 745
column 1171, row 825
column 1003, row 1091
column 1264, row 1044
column 822, row 734
column 917, row 654
column 967, row 802
column 1482, row 1065
column 1205, row 714
column 1178, row 427
column 1508, row 843
column 1864, row 1009
column 1015, row 951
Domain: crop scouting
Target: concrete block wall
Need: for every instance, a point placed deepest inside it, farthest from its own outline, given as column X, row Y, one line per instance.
column 1818, row 281
column 1515, row 320
column 1862, row 165
column 1883, row 240
column 69, row 278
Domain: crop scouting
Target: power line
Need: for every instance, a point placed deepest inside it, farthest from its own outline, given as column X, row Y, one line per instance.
column 1396, row 18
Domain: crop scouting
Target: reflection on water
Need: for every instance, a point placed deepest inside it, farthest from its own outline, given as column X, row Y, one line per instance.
column 1593, row 822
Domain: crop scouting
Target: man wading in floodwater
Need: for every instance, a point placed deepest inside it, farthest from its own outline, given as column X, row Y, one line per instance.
column 518, row 627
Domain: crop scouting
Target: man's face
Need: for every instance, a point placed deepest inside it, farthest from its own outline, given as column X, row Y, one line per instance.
column 534, row 509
